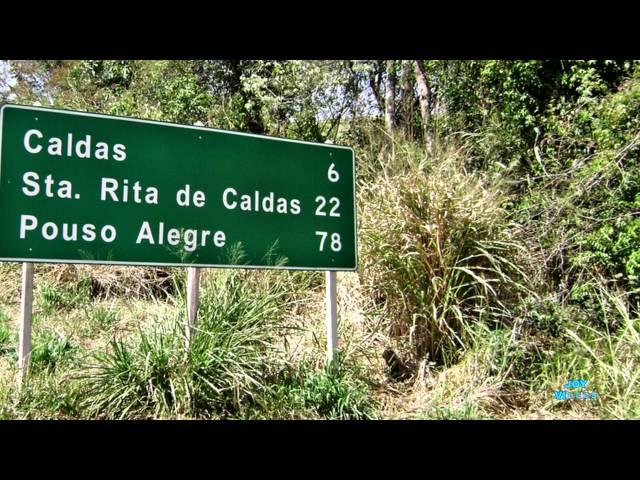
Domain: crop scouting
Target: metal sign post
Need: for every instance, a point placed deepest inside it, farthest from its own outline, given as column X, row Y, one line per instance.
column 193, row 293
column 26, row 304
column 332, row 317
column 193, row 299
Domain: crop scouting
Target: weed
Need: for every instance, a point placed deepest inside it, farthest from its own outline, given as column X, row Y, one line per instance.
column 104, row 317
column 49, row 351
column 51, row 298
column 336, row 392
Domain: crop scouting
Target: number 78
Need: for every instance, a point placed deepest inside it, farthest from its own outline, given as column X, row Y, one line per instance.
column 336, row 244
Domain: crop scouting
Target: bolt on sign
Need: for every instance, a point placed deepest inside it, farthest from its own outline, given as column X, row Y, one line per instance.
column 86, row 188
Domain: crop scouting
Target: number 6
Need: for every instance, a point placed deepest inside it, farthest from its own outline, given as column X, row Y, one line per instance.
column 333, row 175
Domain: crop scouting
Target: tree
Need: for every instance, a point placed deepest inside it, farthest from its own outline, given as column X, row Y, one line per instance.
column 376, row 74
column 390, row 96
column 407, row 101
column 425, row 102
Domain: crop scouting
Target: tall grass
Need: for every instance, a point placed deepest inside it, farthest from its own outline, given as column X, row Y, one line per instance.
column 135, row 379
column 233, row 350
column 606, row 355
column 437, row 253
column 5, row 333
column 224, row 369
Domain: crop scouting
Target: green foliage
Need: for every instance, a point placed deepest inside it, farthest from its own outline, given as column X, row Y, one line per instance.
column 52, row 298
column 106, row 73
column 104, row 317
column 508, row 107
column 223, row 370
column 5, row 334
column 501, row 99
column 337, row 393
column 616, row 249
column 175, row 89
column 590, row 209
column 50, row 350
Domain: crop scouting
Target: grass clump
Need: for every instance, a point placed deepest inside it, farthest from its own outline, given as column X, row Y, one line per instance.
column 61, row 297
column 336, row 395
column 438, row 253
column 336, row 392
column 135, row 379
column 104, row 317
column 47, row 395
column 5, row 333
column 222, row 372
column 50, row 350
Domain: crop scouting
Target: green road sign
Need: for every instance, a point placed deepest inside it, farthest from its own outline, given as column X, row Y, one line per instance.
column 85, row 188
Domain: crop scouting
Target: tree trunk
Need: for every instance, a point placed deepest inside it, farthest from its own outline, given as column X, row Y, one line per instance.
column 353, row 88
column 425, row 103
column 390, row 97
column 375, row 77
column 407, row 98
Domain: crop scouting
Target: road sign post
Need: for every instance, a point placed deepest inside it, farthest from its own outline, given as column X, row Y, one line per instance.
column 193, row 299
column 26, row 310
column 332, row 316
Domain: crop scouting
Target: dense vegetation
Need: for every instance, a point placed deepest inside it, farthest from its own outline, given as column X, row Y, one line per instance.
column 499, row 253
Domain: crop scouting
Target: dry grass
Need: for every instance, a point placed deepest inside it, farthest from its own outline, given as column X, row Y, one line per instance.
column 106, row 280
column 435, row 250
column 305, row 330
